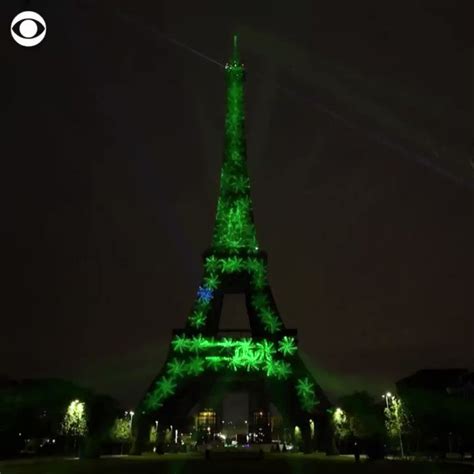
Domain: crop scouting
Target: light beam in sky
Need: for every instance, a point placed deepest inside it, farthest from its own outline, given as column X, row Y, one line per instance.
column 380, row 138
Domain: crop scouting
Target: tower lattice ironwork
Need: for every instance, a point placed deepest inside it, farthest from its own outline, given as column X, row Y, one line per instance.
column 201, row 364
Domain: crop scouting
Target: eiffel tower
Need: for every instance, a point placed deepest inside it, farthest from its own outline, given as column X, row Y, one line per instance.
column 203, row 362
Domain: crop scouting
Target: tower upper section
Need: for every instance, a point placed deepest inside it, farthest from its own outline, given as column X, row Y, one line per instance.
column 234, row 229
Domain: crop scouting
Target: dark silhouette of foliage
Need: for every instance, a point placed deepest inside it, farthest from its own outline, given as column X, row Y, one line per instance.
column 366, row 423
column 35, row 409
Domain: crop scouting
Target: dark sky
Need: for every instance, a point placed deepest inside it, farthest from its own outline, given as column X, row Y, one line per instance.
column 111, row 151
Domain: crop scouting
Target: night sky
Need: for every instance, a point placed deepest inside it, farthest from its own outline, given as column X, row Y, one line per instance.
column 359, row 128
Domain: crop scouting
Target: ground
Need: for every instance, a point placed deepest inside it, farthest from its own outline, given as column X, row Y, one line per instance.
column 184, row 464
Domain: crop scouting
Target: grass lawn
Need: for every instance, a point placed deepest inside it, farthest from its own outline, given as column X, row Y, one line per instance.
column 193, row 464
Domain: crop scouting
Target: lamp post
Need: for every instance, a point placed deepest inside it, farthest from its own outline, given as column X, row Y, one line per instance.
column 388, row 396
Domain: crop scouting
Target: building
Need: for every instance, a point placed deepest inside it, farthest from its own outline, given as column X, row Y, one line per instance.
column 441, row 405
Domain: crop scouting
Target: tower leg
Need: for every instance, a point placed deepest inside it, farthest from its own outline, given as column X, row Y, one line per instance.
column 306, row 437
column 327, row 435
column 160, row 441
column 139, row 434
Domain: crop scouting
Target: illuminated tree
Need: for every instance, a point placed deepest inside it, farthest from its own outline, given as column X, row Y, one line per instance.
column 121, row 431
column 397, row 421
column 75, row 422
column 341, row 424
column 297, row 438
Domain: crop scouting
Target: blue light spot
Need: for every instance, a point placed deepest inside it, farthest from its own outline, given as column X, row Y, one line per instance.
column 205, row 294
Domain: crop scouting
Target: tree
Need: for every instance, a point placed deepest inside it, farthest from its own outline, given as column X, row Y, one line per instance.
column 74, row 423
column 365, row 422
column 397, row 421
column 297, row 437
column 121, row 432
column 341, row 424
column 153, row 435
column 362, row 414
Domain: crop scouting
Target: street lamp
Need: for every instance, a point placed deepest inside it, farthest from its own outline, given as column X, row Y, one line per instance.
column 386, row 396
column 399, row 426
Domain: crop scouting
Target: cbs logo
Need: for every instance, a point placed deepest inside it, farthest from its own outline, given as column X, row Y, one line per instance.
column 28, row 29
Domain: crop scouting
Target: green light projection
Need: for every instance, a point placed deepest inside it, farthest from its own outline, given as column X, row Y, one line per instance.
column 165, row 387
column 234, row 253
column 176, row 368
column 216, row 268
column 306, row 394
column 234, row 238
column 287, row 346
column 234, row 229
column 193, row 355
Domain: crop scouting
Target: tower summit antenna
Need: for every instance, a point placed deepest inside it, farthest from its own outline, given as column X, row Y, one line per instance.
column 235, row 51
